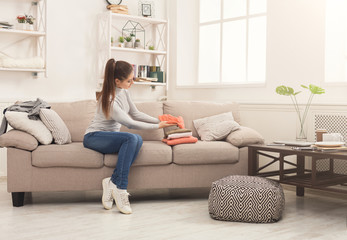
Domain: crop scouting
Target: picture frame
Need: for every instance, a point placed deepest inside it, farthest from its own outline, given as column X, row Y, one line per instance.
column 146, row 9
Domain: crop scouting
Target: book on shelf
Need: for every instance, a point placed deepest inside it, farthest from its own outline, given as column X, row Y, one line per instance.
column 122, row 9
column 5, row 25
column 146, row 79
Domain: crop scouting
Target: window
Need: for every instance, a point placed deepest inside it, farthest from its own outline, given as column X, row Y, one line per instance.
column 232, row 41
column 336, row 42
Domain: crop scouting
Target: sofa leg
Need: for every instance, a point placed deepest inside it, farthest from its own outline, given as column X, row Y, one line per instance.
column 18, row 199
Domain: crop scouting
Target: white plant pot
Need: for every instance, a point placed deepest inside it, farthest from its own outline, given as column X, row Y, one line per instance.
column 121, row 45
column 128, row 44
column 30, row 27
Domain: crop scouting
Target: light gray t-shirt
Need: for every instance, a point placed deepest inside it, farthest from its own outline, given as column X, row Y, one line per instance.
column 123, row 112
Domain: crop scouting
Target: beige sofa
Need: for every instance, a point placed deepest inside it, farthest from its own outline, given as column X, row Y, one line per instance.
column 71, row 167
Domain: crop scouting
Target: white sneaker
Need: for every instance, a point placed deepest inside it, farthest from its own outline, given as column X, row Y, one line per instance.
column 122, row 200
column 107, row 199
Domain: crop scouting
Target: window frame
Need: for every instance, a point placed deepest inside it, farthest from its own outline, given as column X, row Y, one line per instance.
column 324, row 82
column 221, row 22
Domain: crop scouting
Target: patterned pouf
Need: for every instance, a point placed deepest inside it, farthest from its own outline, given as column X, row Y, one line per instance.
column 246, row 199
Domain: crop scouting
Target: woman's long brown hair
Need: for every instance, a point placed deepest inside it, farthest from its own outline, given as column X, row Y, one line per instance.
column 114, row 69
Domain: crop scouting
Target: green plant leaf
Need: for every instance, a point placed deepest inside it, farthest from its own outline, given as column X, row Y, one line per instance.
column 316, row 90
column 286, row 91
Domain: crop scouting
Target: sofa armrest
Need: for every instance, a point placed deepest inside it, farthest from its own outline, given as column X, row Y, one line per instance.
column 244, row 136
column 18, row 139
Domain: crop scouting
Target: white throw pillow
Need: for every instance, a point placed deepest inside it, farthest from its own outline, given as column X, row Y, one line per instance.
column 216, row 127
column 20, row 121
column 56, row 125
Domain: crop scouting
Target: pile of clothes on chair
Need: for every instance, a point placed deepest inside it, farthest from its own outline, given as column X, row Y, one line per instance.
column 178, row 135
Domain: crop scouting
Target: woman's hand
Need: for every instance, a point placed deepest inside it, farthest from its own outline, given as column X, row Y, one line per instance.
column 164, row 124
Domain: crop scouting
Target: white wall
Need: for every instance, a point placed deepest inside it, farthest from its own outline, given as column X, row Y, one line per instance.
column 295, row 55
column 72, row 52
column 72, row 55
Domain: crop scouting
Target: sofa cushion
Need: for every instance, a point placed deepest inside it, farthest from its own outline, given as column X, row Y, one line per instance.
column 216, row 127
column 56, row 125
column 202, row 152
column 244, row 136
column 191, row 110
column 18, row 139
column 151, row 153
column 20, row 121
column 77, row 116
column 153, row 109
column 68, row 155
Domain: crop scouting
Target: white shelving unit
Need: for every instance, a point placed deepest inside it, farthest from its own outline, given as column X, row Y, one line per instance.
column 111, row 24
column 39, row 36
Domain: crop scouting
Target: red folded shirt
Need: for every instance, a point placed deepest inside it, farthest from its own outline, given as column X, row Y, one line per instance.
column 180, row 140
column 172, row 120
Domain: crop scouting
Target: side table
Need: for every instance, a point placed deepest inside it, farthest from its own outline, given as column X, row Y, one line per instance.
column 309, row 169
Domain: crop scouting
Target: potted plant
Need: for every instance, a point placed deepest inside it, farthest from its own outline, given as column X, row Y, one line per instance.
column 151, row 47
column 121, row 41
column 112, row 41
column 137, row 43
column 21, row 22
column 288, row 91
column 30, row 22
column 132, row 35
column 128, row 42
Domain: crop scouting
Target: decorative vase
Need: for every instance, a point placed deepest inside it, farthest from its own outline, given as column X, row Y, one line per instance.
column 30, row 27
column 21, row 26
column 301, row 131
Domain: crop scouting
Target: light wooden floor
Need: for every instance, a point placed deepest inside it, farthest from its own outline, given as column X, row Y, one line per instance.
column 164, row 214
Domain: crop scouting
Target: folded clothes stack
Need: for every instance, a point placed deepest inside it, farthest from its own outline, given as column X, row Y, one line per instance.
column 179, row 135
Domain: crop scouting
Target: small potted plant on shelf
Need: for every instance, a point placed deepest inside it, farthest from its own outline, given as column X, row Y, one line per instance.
column 30, row 22
column 137, row 43
column 128, row 43
column 21, row 22
column 150, row 45
column 132, row 35
column 121, row 41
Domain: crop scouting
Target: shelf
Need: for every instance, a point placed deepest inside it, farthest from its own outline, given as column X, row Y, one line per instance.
column 150, row 83
column 23, row 69
column 136, row 50
column 323, row 179
column 138, row 18
column 23, row 32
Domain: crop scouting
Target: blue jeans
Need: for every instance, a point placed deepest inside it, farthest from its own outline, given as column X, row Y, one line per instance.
column 127, row 145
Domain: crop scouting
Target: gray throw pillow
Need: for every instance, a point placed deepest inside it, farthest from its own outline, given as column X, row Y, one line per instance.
column 56, row 125
column 215, row 127
column 244, row 136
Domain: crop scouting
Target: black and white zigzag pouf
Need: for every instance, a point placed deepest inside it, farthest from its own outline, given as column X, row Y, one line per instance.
column 246, row 199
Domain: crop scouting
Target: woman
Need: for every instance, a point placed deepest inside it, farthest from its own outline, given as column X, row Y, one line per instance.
column 114, row 109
